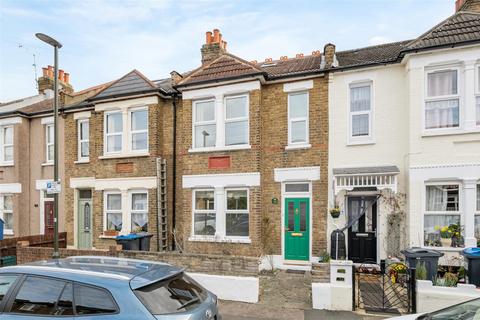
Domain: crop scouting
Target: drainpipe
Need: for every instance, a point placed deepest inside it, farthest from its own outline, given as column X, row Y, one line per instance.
column 174, row 167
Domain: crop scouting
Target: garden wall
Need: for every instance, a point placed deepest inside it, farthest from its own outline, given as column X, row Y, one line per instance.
column 431, row 298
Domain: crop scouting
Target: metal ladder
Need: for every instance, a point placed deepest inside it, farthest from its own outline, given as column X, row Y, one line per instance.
column 162, row 204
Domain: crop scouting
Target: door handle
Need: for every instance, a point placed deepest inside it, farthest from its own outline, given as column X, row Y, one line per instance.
column 296, row 234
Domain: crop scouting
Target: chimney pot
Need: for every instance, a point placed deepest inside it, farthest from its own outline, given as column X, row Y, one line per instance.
column 283, row 58
column 60, row 75
column 254, row 61
column 208, row 37
column 299, row 55
column 66, row 77
column 316, row 53
column 458, row 5
column 216, row 36
column 268, row 60
column 45, row 72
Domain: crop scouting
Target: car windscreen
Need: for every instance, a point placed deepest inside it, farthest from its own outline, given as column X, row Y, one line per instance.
column 177, row 294
column 465, row 311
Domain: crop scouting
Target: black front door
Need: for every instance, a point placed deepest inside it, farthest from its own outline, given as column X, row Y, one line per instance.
column 362, row 235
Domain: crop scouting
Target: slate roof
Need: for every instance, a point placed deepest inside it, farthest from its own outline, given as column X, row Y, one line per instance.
column 282, row 68
column 366, row 170
column 460, row 28
column 132, row 82
column 44, row 106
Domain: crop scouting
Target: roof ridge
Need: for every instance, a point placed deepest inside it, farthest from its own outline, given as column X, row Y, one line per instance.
column 243, row 61
column 138, row 73
column 375, row 46
column 289, row 59
column 92, row 88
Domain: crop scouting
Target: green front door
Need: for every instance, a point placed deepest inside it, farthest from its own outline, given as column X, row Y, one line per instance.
column 84, row 223
column 297, row 237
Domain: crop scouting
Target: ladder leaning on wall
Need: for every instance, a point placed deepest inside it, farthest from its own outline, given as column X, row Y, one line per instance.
column 162, row 226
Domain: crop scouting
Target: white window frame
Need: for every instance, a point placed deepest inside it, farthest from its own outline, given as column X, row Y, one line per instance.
column 3, row 211
column 370, row 138
column 477, row 208
column 132, row 211
column 446, row 213
column 80, row 141
column 239, row 119
column 227, row 211
column 209, row 211
column 106, row 211
column 457, row 96
column 306, row 119
column 202, row 123
column 131, row 132
column 49, row 143
column 4, row 145
column 106, row 134
column 477, row 94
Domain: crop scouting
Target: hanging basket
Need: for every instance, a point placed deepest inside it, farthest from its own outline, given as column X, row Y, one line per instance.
column 335, row 212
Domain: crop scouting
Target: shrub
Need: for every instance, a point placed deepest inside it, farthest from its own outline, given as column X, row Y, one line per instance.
column 421, row 272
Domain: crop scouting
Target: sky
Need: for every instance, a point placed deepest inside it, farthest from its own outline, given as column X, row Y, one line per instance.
column 103, row 40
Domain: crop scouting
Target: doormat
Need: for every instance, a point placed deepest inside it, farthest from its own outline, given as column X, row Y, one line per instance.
column 296, row 271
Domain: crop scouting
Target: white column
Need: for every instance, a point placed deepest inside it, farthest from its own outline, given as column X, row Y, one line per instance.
column 469, row 191
column 469, row 95
column 219, row 117
column 126, row 218
column 220, row 212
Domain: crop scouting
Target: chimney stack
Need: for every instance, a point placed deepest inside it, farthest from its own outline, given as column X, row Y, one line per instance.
column 467, row 5
column 329, row 55
column 45, row 82
column 214, row 46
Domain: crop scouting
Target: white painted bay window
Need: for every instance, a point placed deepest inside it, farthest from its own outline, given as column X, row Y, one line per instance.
column 113, row 132
column 477, row 98
column 139, row 129
column 236, row 120
column 477, row 216
column 298, row 118
column 442, row 103
column 204, row 215
column 442, row 215
column 360, row 113
column 113, row 211
column 49, row 142
column 139, row 214
column 83, row 140
column 6, row 207
column 6, row 148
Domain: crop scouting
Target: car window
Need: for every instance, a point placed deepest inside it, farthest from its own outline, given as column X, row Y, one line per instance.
column 465, row 311
column 178, row 294
column 6, row 282
column 90, row 300
column 39, row 295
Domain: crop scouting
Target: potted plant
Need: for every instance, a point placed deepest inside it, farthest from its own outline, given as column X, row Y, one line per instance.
column 445, row 236
column 457, row 238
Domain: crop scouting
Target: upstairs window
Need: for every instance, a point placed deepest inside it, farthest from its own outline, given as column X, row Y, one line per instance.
column 360, row 111
column 204, row 124
column 50, row 139
column 6, row 148
column 83, row 139
column 442, row 106
column 298, row 118
column 478, row 96
column 139, row 129
column 113, row 132
column 236, row 120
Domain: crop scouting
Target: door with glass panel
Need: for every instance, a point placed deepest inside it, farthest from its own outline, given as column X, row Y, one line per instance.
column 362, row 234
column 297, row 237
column 84, row 219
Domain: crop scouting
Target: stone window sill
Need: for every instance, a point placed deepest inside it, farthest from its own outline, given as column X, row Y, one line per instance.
column 7, row 164
column 225, row 148
column 448, row 132
column 106, row 237
column 298, row 146
column 8, row 232
column 46, row 164
column 82, row 161
column 220, row 239
column 124, row 155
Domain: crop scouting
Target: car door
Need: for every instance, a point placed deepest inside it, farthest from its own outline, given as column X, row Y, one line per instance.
column 38, row 297
column 7, row 286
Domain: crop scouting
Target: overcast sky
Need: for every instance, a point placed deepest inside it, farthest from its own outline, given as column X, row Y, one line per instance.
column 103, row 40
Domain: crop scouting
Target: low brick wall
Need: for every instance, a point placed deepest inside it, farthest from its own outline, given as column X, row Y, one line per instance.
column 321, row 272
column 8, row 247
column 201, row 263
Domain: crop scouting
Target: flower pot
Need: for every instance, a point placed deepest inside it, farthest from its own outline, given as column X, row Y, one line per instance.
column 110, row 233
column 446, row 242
column 335, row 213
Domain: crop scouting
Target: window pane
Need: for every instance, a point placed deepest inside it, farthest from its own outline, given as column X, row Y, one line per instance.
column 299, row 131
column 442, row 83
column 360, row 98
column 204, row 224
column 442, row 198
column 237, row 224
column 236, row 133
column 478, row 110
column 114, row 122
column 433, row 225
column 8, row 220
column 478, row 197
column 84, row 149
column 204, row 111
column 6, row 282
column 51, row 152
column 114, row 143
column 303, row 216
column 477, row 227
column 8, row 153
column 140, row 120
column 90, row 300
column 65, row 303
column 8, row 202
column 139, row 201
column 205, row 136
column 298, row 104
column 38, row 296
column 236, row 107
column 360, row 125
column 297, row 187
column 114, row 221
column 85, row 194
column 441, row 114
column 114, row 202
column 84, row 128
column 8, row 135
column 237, row 200
column 291, row 216
column 140, row 222
column 50, row 133
column 204, row 200
column 139, row 141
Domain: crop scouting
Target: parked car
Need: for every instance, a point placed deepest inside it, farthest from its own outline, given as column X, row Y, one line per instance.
column 103, row 288
column 469, row 310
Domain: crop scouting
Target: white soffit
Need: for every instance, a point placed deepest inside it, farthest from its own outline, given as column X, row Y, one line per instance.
column 10, row 188
column 125, row 104
column 298, row 86
column 126, row 183
column 249, row 179
column 87, row 182
column 297, row 174
column 47, row 120
column 9, row 121
column 82, row 115
column 221, row 90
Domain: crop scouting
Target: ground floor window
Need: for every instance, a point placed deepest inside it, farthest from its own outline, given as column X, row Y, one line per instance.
column 139, row 211
column 117, row 214
column 7, row 212
column 221, row 212
column 113, row 211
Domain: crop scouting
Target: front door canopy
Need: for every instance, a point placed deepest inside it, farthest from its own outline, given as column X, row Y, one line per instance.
column 366, row 177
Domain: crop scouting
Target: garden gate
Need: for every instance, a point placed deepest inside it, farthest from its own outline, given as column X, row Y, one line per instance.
column 384, row 288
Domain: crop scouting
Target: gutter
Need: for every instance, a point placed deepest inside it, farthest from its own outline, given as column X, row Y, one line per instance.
column 174, row 191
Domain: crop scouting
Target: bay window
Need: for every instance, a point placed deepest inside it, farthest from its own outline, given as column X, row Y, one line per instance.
column 204, row 217
column 237, row 213
column 205, row 127
column 478, row 97
column 139, row 212
column 298, row 118
column 83, row 139
column 139, row 129
column 442, row 105
column 6, row 148
column 360, row 110
column 236, row 120
column 113, row 132
column 49, row 142
column 477, row 217
column 113, row 211
column 442, row 216
column 7, row 213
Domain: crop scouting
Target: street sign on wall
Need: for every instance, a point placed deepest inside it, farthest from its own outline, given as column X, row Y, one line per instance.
column 53, row 187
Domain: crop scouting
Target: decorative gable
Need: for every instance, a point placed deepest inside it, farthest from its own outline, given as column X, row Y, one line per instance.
column 133, row 82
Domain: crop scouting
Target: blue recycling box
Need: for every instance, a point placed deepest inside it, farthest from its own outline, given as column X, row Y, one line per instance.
column 472, row 255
